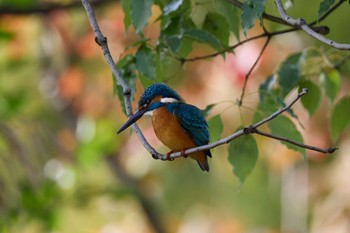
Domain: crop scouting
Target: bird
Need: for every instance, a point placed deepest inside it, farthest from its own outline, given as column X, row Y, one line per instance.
column 178, row 125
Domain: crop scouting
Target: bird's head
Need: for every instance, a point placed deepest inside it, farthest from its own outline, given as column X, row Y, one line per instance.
column 155, row 96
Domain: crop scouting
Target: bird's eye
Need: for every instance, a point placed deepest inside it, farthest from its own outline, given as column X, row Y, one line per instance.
column 145, row 104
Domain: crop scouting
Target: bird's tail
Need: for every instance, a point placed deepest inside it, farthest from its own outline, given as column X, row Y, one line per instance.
column 202, row 160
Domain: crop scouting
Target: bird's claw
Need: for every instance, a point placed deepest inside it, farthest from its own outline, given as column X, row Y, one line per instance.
column 168, row 156
column 183, row 153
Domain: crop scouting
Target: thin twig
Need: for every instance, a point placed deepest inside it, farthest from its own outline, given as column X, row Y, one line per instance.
column 301, row 23
column 233, row 47
column 284, row 139
column 251, row 70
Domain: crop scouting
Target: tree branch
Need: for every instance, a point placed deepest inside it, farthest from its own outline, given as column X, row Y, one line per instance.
column 301, row 23
column 251, row 70
column 322, row 150
column 233, row 47
column 101, row 40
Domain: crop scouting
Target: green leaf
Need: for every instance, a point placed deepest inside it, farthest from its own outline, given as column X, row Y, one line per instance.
column 204, row 37
column 140, row 12
column 172, row 6
column 207, row 109
column 331, row 83
column 265, row 108
column 267, row 86
column 185, row 47
column 144, row 61
column 5, row 35
column 251, row 10
column 171, row 35
column 324, row 7
column 282, row 126
column 215, row 128
column 231, row 13
column 145, row 81
column 174, row 42
column 340, row 117
column 312, row 99
column 242, row 155
column 167, row 66
column 127, row 18
column 218, row 26
column 289, row 74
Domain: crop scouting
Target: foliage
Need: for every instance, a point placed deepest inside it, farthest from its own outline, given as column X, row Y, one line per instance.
column 58, row 118
column 185, row 22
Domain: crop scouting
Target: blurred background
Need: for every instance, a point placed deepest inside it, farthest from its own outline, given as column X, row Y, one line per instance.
column 64, row 169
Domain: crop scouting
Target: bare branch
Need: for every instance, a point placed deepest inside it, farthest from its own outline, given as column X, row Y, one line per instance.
column 301, row 23
column 321, row 150
column 251, row 70
column 320, row 29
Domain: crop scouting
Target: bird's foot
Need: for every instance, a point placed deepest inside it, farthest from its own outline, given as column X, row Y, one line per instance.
column 183, row 153
column 168, row 156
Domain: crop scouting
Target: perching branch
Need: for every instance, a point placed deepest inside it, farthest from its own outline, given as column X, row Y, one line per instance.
column 301, row 23
column 102, row 41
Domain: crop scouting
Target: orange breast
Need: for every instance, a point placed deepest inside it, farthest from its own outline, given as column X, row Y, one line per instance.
column 169, row 131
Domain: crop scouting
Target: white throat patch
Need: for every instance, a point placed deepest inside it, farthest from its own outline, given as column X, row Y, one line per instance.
column 149, row 113
column 168, row 100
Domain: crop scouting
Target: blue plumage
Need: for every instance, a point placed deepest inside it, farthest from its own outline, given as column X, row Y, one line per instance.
column 192, row 121
column 158, row 89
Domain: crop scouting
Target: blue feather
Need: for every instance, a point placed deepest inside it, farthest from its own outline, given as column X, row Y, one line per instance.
column 192, row 121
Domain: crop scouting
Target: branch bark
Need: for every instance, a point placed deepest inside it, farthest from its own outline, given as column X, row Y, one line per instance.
column 251, row 70
column 301, row 23
column 101, row 40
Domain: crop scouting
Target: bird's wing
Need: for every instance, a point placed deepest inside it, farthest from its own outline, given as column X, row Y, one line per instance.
column 193, row 122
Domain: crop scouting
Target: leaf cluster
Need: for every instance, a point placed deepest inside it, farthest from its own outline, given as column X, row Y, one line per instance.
column 187, row 24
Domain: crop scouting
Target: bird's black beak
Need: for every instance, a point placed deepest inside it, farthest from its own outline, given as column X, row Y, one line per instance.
column 133, row 119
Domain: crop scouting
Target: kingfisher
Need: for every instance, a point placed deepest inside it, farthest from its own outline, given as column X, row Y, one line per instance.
column 177, row 125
